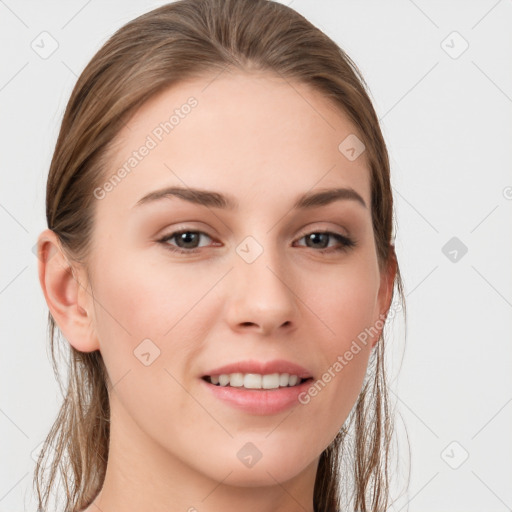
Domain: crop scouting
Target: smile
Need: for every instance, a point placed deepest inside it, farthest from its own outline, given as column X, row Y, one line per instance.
column 255, row 380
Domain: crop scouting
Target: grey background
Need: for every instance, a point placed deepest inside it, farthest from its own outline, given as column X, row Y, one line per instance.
column 447, row 121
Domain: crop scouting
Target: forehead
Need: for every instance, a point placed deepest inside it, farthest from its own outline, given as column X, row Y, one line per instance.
column 241, row 133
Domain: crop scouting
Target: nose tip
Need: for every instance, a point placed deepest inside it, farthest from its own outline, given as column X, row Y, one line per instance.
column 261, row 297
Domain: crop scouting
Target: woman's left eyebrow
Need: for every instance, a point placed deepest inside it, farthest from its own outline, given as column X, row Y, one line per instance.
column 214, row 199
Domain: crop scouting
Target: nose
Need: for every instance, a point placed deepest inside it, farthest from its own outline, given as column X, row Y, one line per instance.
column 260, row 295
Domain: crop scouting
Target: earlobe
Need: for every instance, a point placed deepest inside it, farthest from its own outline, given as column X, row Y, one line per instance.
column 65, row 290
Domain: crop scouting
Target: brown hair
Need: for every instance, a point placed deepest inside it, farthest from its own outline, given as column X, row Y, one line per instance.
column 184, row 40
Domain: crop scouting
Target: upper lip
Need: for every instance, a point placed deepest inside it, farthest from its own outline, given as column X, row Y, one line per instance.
column 262, row 367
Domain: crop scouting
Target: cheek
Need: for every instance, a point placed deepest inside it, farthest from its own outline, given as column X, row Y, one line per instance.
column 345, row 300
column 147, row 312
column 141, row 300
column 346, row 305
column 146, row 326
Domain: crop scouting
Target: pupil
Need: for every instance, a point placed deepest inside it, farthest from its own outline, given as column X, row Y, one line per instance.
column 185, row 237
column 316, row 236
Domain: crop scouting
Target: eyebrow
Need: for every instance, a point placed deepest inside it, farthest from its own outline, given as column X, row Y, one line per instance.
column 213, row 199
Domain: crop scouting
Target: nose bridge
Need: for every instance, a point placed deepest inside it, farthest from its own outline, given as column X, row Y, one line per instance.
column 262, row 292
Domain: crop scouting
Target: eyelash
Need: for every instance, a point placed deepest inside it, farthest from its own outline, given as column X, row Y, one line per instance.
column 346, row 242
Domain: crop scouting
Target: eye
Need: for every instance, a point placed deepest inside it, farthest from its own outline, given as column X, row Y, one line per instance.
column 186, row 240
column 321, row 239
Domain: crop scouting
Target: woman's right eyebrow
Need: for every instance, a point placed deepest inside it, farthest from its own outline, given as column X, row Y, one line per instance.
column 193, row 195
column 212, row 199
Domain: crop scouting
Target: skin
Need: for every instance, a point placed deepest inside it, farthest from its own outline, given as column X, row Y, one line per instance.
column 173, row 445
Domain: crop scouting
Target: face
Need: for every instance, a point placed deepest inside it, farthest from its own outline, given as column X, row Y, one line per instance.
column 185, row 284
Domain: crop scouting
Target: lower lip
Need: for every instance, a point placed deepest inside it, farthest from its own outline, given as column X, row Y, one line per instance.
column 259, row 401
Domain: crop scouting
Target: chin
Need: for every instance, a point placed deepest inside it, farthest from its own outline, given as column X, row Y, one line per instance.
column 269, row 469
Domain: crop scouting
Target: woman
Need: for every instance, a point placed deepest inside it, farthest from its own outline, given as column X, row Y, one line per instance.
column 219, row 258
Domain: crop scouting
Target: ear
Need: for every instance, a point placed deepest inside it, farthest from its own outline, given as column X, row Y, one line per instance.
column 65, row 288
column 385, row 295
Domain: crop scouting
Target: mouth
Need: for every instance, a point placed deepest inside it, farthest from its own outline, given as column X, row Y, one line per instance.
column 257, row 394
column 258, row 387
column 255, row 381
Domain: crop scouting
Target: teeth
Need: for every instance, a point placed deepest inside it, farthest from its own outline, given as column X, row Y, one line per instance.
column 251, row 381
column 236, row 380
column 270, row 381
column 255, row 380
